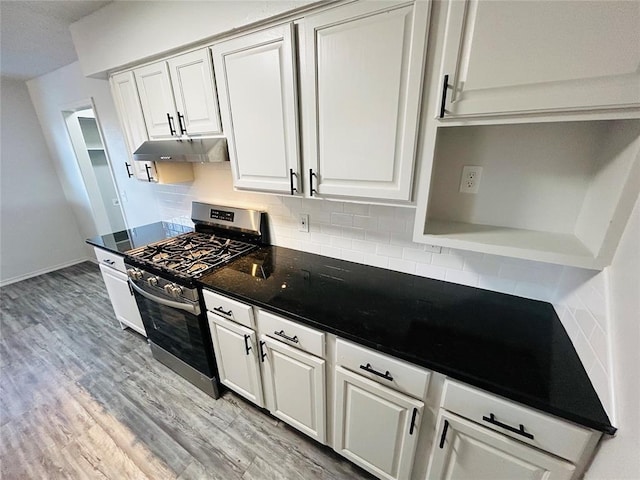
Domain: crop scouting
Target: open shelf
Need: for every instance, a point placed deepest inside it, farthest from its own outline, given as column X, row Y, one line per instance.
column 552, row 192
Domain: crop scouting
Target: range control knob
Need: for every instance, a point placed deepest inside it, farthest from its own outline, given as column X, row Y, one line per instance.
column 152, row 281
column 173, row 289
column 134, row 273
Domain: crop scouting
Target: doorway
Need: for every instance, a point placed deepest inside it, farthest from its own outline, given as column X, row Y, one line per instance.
column 93, row 161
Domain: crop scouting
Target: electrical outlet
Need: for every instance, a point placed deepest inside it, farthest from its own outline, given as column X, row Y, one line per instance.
column 303, row 222
column 470, row 181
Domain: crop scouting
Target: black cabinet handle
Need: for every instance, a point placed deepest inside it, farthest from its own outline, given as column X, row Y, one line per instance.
column 444, row 433
column 108, row 262
column 172, row 129
column 413, row 421
column 520, row 431
column 386, row 375
column 182, row 124
column 291, row 175
column 284, row 335
column 311, row 189
column 262, row 354
column 444, row 95
column 221, row 310
column 127, row 166
column 147, row 168
column 247, row 347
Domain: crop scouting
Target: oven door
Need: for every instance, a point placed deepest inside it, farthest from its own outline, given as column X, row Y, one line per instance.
column 176, row 326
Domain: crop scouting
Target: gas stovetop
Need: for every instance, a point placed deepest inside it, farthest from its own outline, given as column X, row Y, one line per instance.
column 190, row 255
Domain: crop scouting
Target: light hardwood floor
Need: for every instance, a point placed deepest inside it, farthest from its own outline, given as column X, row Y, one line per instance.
column 80, row 398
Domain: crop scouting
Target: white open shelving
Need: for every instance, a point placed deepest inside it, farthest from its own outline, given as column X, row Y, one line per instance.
column 558, row 192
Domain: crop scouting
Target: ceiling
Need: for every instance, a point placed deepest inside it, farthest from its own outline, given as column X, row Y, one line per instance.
column 34, row 35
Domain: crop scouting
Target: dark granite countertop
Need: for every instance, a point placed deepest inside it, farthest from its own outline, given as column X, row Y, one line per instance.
column 121, row 242
column 508, row 345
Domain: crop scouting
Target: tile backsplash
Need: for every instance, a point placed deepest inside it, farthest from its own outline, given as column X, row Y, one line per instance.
column 381, row 236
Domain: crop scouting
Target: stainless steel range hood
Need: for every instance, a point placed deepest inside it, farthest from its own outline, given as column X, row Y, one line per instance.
column 185, row 150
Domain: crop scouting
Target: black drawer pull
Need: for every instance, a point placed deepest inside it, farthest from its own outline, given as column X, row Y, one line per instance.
column 284, row 335
column 108, row 262
column 291, row 175
column 386, row 375
column 127, row 165
column 172, row 130
column 444, row 95
column 520, row 431
column 147, row 168
column 262, row 354
column 311, row 189
column 247, row 347
column 444, row 433
column 221, row 310
column 413, row 421
column 182, row 123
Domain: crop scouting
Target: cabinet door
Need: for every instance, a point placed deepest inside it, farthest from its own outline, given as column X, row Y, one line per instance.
column 506, row 57
column 156, row 98
column 122, row 299
column 362, row 67
column 463, row 450
column 125, row 96
column 235, row 349
column 258, row 105
column 294, row 384
column 195, row 93
column 374, row 426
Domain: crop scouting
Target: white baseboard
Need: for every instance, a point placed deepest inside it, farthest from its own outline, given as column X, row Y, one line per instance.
column 9, row 281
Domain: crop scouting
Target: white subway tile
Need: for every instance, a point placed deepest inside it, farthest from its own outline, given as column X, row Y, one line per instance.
column 516, row 272
column 391, row 224
column 293, row 203
column 319, row 217
column 389, row 251
column 584, row 350
column 598, row 341
column 352, row 256
column 312, row 248
column 341, row 242
column 461, row 277
column 376, row 260
column 328, row 251
column 585, row 321
column 333, row 206
column 363, row 246
column 414, row 255
column 497, row 284
column 378, row 237
column 368, row 223
column 353, row 233
column 342, row 219
column 601, row 384
column 534, row 291
column 402, row 239
column 332, row 230
column 356, row 208
column 320, row 238
column 430, row 271
column 405, row 266
column 448, row 261
column 382, row 211
column 289, row 243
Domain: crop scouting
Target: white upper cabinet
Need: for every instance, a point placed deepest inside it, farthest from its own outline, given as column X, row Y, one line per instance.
column 505, row 57
column 258, row 105
column 178, row 96
column 195, row 93
column 361, row 78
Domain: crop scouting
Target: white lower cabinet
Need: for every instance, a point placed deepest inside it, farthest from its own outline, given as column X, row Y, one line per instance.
column 122, row 299
column 464, row 450
column 294, row 386
column 235, row 349
column 375, row 426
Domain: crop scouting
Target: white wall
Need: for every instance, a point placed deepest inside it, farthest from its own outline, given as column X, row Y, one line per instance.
column 56, row 91
column 381, row 236
column 619, row 457
column 38, row 231
column 127, row 32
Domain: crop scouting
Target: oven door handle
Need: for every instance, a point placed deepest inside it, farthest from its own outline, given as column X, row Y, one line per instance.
column 195, row 309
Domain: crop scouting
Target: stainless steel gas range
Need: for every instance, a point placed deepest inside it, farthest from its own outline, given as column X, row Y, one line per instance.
column 162, row 276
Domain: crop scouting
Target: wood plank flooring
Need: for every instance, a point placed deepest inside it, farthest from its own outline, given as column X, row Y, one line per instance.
column 82, row 399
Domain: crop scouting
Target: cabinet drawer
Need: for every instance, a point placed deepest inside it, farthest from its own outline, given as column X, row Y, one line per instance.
column 110, row 259
column 291, row 333
column 228, row 308
column 551, row 434
column 391, row 372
